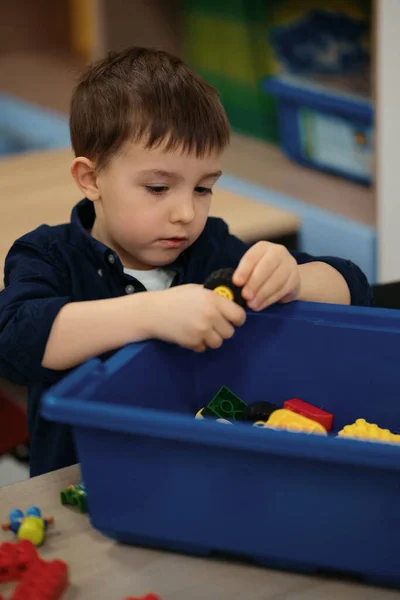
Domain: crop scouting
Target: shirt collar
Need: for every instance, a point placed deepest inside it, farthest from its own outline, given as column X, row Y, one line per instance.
column 82, row 219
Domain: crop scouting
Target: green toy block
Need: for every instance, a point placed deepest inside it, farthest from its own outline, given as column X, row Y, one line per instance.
column 75, row 496
column 225, row 405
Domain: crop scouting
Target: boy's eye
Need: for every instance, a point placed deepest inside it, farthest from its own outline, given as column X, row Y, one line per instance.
column 203, row 190
column 156, row 189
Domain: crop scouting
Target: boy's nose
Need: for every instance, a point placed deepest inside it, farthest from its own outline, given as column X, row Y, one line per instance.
column 182, row 211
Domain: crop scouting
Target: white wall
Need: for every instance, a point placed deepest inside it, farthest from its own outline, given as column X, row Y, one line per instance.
column 388, row 138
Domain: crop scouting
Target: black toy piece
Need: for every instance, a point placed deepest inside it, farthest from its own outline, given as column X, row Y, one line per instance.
column 258, row 411
column 221, row 282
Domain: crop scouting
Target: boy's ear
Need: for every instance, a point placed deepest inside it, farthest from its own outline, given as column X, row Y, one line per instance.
column 83, row 171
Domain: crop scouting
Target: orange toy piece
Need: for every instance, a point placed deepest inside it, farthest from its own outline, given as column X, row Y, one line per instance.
column 363, row 430
column 291, row 421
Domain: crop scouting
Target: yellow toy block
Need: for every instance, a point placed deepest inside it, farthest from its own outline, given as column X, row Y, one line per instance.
column 291, row 421
column 362, row 430
column 199, row 414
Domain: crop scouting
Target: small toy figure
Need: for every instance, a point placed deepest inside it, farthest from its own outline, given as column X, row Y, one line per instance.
column 29, row 526
column 75, row 495
column 221, row 282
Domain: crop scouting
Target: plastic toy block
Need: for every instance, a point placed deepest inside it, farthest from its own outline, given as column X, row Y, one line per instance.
column 148, row 597
column 311, row 412
column 30, row 526
column 15, row 559
column 363, row 430
column 75, row 495
column 221, row 282
column 199, row 414
column 258, row 411
column 291, row 421
column 225, row 405
column 42, row 581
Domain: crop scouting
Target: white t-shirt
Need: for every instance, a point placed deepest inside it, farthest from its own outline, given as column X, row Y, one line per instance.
column 153, row 280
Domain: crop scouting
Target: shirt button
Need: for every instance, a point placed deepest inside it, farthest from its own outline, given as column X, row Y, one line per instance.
column 129, row 289
column 111, row 259
column 100, row 272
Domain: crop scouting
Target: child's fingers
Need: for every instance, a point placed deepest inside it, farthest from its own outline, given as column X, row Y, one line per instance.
column 262, row 273
column 231, row 311
column 247, row 263
column 224, row 328
column 271, row 291
column 213, row 339
column 282, row 291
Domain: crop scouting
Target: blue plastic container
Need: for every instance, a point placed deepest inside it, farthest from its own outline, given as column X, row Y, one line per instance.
column 303, row 502
column 323, row 128
column 27, row 127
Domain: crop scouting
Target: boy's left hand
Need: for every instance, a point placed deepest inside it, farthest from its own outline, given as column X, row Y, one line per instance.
column 268, row 273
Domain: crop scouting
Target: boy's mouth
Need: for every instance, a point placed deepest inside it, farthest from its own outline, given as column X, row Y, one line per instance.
column 174, row 242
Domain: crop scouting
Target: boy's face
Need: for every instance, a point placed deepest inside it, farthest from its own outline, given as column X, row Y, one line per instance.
column 153, row 204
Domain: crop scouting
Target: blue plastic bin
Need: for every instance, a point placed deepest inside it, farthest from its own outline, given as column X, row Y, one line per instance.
column 163, row 479
column 323, row 128
column 26, row 127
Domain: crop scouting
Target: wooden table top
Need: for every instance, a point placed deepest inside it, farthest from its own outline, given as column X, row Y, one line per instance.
column 101, row 569
column 37, row 188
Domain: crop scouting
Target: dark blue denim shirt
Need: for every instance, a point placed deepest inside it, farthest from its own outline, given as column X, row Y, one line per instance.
column 52, row 266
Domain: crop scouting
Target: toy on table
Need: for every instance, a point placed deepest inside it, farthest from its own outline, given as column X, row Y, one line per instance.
column 291, row 421
column 75, row 495
column 42, row 581
column 221, row 282
column 31, row 526
column 148, row 597
column 311, row 412
column 363, row 430
column 15, row 559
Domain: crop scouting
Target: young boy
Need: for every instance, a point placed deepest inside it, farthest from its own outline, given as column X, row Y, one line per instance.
column 148, row 135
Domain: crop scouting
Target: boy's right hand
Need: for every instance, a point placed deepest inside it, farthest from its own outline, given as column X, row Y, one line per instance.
column 192, row 317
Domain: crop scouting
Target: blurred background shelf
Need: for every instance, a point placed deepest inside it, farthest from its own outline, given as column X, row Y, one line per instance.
column 42, row 53
column 248, row 158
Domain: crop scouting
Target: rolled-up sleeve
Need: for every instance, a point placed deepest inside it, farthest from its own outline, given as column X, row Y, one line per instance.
column 360, row 290
column 35, row 291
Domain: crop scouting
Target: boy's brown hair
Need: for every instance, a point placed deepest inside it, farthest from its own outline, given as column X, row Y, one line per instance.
column 145, row 94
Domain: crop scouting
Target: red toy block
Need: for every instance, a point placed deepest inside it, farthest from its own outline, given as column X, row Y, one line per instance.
column 43, row 581
column 311, row 412
column 148, row 597
column 15, row 559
